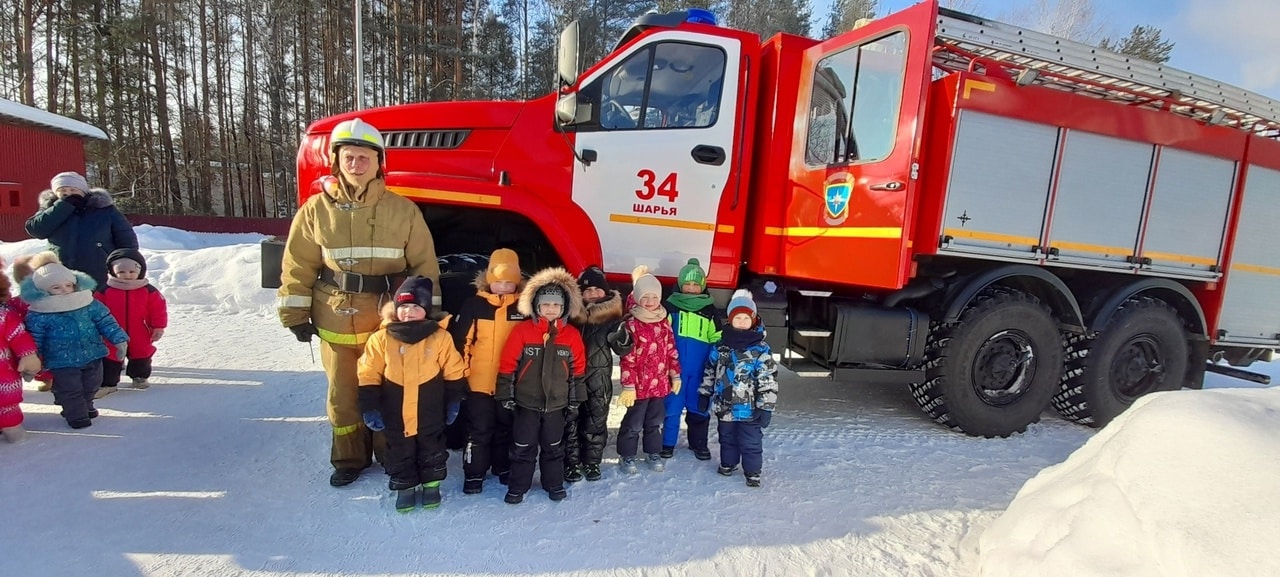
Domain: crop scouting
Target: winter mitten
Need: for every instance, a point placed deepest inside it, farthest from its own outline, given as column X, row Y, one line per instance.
column 704, row 403
column 627, row 398
column 619, row 339
column 156, row 334
column 29, row 366
column 303, row 332
column 763, row 417
column 122, row 349
column 451, row 412
column 373, row 420
column 675, row 384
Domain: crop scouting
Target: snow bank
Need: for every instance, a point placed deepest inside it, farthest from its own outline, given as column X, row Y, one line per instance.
column 1183, row 484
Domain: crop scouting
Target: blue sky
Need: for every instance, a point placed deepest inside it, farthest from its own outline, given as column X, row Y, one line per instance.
column 1227, row 40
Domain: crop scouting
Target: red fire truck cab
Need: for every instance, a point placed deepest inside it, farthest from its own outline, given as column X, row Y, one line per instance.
column 1002, row 220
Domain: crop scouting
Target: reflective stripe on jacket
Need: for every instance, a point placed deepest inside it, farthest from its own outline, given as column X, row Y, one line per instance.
column 374, row 233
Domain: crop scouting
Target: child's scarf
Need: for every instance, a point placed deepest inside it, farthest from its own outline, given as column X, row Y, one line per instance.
column 647, row 316
column 688, row 302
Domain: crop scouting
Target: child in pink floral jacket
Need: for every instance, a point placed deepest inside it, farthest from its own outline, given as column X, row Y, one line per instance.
column 650, row 372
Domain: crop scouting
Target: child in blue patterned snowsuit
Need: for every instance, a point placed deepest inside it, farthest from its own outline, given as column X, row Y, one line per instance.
column 739, row 385
column 696, row 324
column 69, row 326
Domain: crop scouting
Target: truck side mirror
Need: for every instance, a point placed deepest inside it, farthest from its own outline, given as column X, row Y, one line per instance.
column 570, row 112
column 567, row 55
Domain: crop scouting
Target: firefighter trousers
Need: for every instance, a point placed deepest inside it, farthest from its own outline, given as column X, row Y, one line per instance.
column 353, row 443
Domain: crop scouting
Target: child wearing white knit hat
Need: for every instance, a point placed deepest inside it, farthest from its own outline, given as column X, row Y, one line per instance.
column 649, row 373
column 69, row 325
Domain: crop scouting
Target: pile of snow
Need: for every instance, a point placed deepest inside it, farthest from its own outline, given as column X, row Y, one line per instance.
column 214, row 272
column 1185, row 483
column 222, row 466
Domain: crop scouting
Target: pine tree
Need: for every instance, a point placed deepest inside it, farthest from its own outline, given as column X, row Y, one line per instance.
column 845, row 13
column 1143, row 42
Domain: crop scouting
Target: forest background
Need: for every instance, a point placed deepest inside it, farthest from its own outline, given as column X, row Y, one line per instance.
column 205, row 100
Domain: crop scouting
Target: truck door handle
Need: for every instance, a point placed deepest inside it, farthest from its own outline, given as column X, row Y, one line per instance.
column 892, row 185
column 707, row 154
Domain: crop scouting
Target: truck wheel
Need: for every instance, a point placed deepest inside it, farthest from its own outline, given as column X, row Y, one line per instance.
column 1142, row 349
column 457, row 275
column 991, row 373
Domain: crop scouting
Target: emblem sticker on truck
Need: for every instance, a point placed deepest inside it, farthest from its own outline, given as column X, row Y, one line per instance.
column 837, row 201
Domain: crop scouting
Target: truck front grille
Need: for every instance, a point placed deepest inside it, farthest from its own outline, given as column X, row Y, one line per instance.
column 443, row 139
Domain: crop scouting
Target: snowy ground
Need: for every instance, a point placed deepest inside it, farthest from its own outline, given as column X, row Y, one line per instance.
column 221, row 468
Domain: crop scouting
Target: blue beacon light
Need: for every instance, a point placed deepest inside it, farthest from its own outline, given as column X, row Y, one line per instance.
column 701, row 16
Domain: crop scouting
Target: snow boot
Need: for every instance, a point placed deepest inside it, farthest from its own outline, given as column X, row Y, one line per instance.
column 702, row 454
column 103, row 391
column 14, row 434
column 628, row 465
column 503, row 476
column 140, row 383
column 514, row 498
column 407, row 499
column 592, row 472
column 667, row 452
column 80, row 423
column 558, row 494
column 93, row 413
column 431, row 495
column 572, row 474
column 655, row 461
column 753, row 479
column 343, row 477
column 473, row 486
column 727, row 470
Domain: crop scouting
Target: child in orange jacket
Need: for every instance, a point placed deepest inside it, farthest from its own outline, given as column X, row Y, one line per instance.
column 409, row 372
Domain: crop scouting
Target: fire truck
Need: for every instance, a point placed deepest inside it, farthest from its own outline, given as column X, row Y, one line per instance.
column 1001, row 220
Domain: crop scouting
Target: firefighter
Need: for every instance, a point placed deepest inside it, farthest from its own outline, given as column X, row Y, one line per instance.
column 348, row 250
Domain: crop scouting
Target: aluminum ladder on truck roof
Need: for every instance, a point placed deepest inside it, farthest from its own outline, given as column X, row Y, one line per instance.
column 962, row 39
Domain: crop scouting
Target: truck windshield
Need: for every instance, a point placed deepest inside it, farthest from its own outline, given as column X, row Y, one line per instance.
column 853, row 115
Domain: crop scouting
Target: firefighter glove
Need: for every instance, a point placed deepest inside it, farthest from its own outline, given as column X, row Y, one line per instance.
column 627, row 398
column 303, row 332
column 373, row 420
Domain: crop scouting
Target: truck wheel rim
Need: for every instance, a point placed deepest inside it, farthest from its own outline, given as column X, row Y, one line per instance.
column 1137, row 367
column 1004, row 367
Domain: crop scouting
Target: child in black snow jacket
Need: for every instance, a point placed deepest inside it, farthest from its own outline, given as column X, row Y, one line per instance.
column 586, row 430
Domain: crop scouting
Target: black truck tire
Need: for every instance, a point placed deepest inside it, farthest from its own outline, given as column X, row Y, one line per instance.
column 1143, row 349
column 992, row 373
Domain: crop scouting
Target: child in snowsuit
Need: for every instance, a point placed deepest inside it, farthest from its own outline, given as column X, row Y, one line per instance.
column 69, row 326
column 738, row 384
column 141, row 311
column 479, row 331
column 22, row 270
column 18, row 361
column 696, row 325
column 650, row 372
column 409, row 372
column 541, row 374
column 586, row 430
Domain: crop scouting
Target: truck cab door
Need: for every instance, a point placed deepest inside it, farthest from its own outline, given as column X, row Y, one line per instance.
column 655, row 156
column 853, row 167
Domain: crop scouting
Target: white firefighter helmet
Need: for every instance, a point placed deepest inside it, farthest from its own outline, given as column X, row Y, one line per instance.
column 357, row 132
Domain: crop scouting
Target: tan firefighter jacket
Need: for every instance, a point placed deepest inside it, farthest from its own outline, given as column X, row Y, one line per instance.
column 374, row 233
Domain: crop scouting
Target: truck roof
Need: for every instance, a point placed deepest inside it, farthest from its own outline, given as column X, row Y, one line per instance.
column 1034, row 57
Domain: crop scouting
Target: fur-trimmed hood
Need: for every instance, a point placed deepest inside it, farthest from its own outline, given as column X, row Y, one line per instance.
column 44, row 302
column 604, row 311
column 95, row 198
column 558, row 276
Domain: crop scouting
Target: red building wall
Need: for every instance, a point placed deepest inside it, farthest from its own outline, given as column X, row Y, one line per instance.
column 31, row 157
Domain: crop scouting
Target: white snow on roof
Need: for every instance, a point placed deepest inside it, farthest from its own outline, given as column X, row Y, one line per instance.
column 58, row 122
